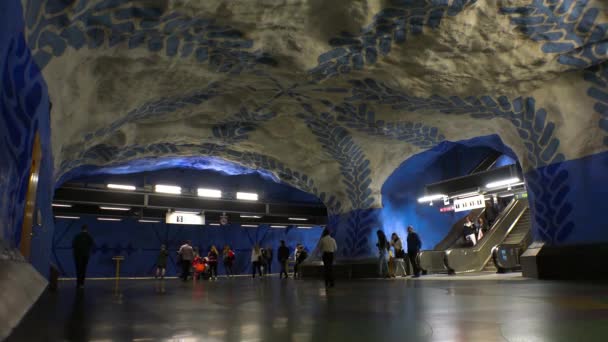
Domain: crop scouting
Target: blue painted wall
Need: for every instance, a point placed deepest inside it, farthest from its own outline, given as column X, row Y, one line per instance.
column 24, row 109
column 139, row 243
column 568, row 201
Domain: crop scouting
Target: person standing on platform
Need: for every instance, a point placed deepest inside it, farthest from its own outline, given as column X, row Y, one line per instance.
column 413, row 248
column 256, row 260
column 161, row 262
column 82, row 245
column 328, row 248
column 186, row 254
column 212, row 256
column 399, row 254
column 383, row 247
column 228, row 256
column 301, row 255
column 268, row 259
column 283, row 256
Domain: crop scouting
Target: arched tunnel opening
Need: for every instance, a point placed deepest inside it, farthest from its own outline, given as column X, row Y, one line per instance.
column 130, row 214
column 357, row 118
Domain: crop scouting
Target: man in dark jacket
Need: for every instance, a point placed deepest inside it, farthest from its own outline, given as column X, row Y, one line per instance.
column 413, row 248
column 268, row 260
column 82, row 245
column 283, row 256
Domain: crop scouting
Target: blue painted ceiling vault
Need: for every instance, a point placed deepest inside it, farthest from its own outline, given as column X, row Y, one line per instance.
column 328, row 96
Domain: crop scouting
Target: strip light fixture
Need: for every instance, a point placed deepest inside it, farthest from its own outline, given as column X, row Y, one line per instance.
column 114, row 208
column 211, row 193
column 504, row 182
column 187, row 212
column 298, row 219
column 278, row 226
column 67, row 217
column 108, row 219
column 121, row 187
column 168, row 189
column 247, row 196
column 304, row 227
column 251, row 216
column 61, row 205
column 249, row 225
column 214, row 224
column 431, row 198
column 148, row 221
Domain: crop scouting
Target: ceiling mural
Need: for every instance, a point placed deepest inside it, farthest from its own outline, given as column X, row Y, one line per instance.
column 247, row 81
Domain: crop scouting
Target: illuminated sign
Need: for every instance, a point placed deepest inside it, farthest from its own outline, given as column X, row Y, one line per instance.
column 469, row 203
column 446, row 209
column 185, row 218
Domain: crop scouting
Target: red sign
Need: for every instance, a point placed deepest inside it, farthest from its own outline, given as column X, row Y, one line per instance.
column 446, row 209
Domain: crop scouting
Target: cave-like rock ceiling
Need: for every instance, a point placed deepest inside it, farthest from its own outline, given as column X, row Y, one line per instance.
column 329, row 95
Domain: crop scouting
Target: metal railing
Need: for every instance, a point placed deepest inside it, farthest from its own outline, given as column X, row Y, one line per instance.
column 473, row 259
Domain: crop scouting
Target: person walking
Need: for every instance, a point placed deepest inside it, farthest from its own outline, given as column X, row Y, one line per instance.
column 399, row 255
column 413, row 248
column 283, row 257
column 82, row 245
column 301, row 255
column 383, row 247
column 212, row 256
column 228, row 256
column 186, row 255
column 328, row 248
column 256, row 260
column 161, row 262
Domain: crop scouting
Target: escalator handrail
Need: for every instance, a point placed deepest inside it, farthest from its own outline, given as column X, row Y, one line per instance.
column 486, row 244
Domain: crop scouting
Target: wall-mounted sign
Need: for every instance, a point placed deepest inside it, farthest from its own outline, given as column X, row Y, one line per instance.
column 185, row 218
column 521, row 196
column 469, row 203
column 446, row 209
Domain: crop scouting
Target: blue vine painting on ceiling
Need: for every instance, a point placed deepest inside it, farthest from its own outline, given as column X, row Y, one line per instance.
column 55, row 25
column 391, row 25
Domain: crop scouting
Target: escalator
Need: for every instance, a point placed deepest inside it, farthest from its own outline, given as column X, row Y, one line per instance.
column 433, row 261
column 512, row 225
column 506, row 256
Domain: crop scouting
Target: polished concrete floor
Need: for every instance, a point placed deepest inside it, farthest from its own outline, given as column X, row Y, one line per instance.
column 242, row 309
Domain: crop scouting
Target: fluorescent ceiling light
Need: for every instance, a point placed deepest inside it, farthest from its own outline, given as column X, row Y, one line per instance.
column 61, row 205
column 187, row 212
column 209, row 193
column 251, row 216
column 115, row 208
column 247, row 196
column 430, row 198
column 68, row 217
column 466, row 194
column 304, row 227
column 168, row 189
column 505, row 195
column 278, row 226
column 121, row 187
column 249, row 225
column 503, row 182
column 108, row 219
column 149, row 221
column 214, row 224
column 298, row 219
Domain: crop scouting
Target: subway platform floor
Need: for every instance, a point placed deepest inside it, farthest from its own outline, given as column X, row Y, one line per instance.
column 270, row 309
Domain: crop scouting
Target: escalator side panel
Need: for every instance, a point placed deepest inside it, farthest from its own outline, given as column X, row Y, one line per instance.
column 474, row 259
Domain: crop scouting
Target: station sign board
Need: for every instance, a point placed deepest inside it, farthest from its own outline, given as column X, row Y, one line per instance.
column 469, row 203
column 185, row 218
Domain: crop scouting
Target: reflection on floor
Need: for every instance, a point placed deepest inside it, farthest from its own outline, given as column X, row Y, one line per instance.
column 270, row 309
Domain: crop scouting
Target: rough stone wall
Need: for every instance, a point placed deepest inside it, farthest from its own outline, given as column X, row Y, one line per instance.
column 331, row 96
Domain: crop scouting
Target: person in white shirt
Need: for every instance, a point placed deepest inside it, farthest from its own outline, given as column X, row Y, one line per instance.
column 186, row 254
column 256, row 256
column 328, row 247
